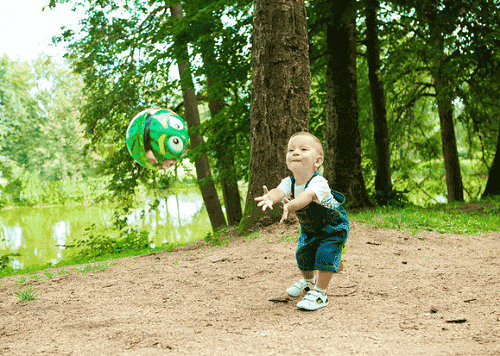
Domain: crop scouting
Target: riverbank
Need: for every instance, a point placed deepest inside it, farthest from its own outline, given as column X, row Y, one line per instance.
column 476, row 218
column 402, row 294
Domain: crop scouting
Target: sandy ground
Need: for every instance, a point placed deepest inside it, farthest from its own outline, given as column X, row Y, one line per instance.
column 427, row 294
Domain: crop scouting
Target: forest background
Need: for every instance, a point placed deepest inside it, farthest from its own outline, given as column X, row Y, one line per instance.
column 62, row 128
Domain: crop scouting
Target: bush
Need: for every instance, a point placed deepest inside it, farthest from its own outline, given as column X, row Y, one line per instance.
column 95, row 244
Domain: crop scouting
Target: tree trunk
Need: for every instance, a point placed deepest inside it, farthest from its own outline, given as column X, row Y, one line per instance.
column 493, row 183
column 383, row 184
column 444, row 99
column 224, row 156
column 225, row 159
column 280, row 97
column 343, row 143
column 205, row 182
column 450, row 152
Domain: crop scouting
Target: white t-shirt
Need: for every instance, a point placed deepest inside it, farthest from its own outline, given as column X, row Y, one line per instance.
column 318, row 185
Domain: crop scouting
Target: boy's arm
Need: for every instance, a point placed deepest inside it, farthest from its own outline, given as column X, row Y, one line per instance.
column 270, row 197
column 303, row 199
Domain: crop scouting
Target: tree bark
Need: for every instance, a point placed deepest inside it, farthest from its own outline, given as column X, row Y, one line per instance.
column 225, row 159
column 454, row 183
column 383, row 184
column 343, row 143
column 280, row 97
column 205, row 182
column 216, row 103
column 444, row 99
column 493, row 183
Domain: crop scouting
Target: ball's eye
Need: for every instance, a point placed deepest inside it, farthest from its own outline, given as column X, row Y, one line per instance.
column 176, row 123
column 175, row 144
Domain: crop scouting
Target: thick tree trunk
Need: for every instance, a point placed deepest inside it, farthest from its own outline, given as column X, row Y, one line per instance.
column 205, row 182
column 343, row 143
column 493, row 183
column 383, row 184
column 280, row 97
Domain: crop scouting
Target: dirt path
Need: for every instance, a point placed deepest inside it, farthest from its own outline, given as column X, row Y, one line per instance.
column 427, row 294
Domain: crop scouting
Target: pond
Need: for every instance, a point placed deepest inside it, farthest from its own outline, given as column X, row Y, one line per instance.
column 40, row 234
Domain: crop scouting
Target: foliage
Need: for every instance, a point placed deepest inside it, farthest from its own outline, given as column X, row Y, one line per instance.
column 39, row 116
column 19, row 115
column 30, row 189
column 95, row 243
column 5, row 259
column 124, row 53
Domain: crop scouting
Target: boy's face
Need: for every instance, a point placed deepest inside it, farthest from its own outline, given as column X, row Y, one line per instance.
column 303, row 155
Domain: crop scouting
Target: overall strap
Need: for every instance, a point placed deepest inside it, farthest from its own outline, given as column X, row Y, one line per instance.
column 293, row 183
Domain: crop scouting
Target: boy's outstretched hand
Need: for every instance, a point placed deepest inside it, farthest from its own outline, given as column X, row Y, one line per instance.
column 265, row 201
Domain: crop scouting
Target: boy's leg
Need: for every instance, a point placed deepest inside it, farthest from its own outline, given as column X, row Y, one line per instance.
column 305, row 285
column 317, row 298
column 308, row 275
column 324, row 278
column 341, row 265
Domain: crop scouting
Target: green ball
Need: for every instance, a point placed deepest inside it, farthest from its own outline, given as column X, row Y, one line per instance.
column 160, row 130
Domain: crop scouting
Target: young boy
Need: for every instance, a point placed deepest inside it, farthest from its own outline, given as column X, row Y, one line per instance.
column 323, row 220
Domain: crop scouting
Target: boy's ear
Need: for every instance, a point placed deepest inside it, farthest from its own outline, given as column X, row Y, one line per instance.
column 319, row 162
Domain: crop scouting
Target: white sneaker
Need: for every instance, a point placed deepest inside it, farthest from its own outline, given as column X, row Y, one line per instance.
column 313, row 300
column 299, row 288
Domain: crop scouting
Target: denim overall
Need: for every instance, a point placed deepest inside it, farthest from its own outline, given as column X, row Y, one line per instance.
column 323, row 234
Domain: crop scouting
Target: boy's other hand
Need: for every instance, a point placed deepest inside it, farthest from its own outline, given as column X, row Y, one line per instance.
column 285, row 210
column 264, row 200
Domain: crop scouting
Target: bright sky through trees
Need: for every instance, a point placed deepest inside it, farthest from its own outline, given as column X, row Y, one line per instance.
column 26, row 30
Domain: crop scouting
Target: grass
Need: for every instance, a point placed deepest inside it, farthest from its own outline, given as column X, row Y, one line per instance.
column 23, row 278
column 28, row 293
column 79, row 260
column 457, row 218
column 95, row 267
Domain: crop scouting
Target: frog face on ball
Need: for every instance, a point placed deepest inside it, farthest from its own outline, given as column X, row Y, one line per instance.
column 168, row 135
column 156, row 138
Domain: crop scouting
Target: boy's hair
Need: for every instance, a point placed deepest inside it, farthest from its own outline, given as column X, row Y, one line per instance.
column 318, row 142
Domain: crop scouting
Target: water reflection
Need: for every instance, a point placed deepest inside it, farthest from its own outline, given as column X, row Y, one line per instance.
column 40, row 234
column 13, row 236
column 60, row 234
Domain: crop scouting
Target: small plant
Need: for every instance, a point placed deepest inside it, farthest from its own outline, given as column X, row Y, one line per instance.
column 253, row 235
column 35, row 277
column 96, row 267
column 29, row 293
column 393, row 197
column 217, row 238
column 21, row 279
column 61, row 271
column 288, row 238
column 48, row 274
